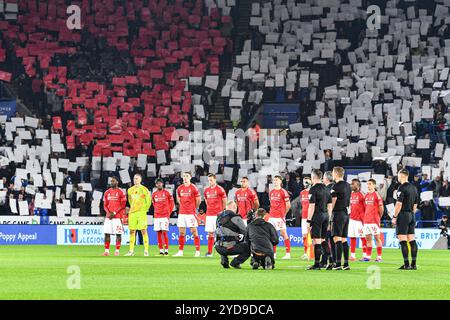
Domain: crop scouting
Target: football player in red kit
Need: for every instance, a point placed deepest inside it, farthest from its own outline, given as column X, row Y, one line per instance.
column 163, row 206
column 372, row 218
column 114, row 202
column 216, row 200
column 246, row 199
column 355, row 225
column 304, row 198
column 188, row 197
column 279, row 206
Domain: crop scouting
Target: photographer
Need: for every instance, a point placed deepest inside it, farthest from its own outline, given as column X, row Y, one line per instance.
column 230, row 233
column 262, row 236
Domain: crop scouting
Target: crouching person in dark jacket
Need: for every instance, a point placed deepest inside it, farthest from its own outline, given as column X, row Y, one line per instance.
column 230, row 234
column 262, row 236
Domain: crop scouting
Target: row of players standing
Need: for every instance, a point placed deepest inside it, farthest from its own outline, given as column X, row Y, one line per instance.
column 325, row 215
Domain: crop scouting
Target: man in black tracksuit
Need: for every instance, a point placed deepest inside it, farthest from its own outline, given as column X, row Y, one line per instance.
column 330, row 258
column 230, row 233
column 404, row 219
column 319, row 212
column 340, row 193
column 262, row 236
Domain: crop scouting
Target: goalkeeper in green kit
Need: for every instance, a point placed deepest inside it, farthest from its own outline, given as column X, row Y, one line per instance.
column 140, row 201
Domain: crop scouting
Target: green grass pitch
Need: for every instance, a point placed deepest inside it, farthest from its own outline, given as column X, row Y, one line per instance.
column 41, row 272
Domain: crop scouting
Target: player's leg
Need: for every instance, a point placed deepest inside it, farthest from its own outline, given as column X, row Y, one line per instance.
column 326, row 261
column 157, row 228
column 379, row 247
column 132, row 242
column 345, row 247
column 318, row 226
column 273, row 221
column 133, row 226
column 118, row 231
column 352, row 249
column 305, row 239
column 287, row 242
column 145, row 238
column 210, row 243
column 363, row 241
column 164, row 231
column 181, row 238
column 107, row 230
column 118, row 244
column 194, row 232
column 352, row 235
column 412, row 242
column 402, row 235
column 210, row 228
column 160, row 242
column 369, row 244
column 142, row 226
column 107, row 243
column 336, row 234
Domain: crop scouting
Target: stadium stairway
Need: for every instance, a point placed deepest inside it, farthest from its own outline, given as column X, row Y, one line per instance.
column 242, row 32
column 218, row 115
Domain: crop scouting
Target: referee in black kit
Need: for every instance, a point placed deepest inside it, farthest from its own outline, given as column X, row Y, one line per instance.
column 340, row 193
column 318, row 216
column 404, row 219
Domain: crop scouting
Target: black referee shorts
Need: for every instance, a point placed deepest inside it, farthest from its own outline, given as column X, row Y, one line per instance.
column 406, row 223
column 319, row 225
column 339, row 225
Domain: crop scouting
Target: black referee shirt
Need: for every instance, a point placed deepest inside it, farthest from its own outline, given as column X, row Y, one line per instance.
column 341, row 191
column 320, row 196
column 407, row 194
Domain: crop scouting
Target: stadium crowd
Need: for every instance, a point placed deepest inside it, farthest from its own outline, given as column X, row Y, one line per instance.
column 373, row 98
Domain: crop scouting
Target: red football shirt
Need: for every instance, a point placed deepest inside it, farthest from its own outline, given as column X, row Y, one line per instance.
column 372, row 214
column 163, row 203
column 357, row 205
column 214, row 200
column 278, row 200
column 115, row 200
column 245, row 199
column 304, row 198
column 186, row 197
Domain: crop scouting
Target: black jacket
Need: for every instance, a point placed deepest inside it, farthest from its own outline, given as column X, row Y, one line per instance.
column 261, row 236
column 230, row 229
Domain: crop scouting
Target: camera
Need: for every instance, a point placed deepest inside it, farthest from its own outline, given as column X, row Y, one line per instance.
column 250, row 216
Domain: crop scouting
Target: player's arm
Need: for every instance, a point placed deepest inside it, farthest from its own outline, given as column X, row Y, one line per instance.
column 312, row 205
column 198, row 198
column 171, row 202
column 288, row 206
column 148, row 199
column 255, row 200
column 380, row 205
column 398, row 205
column 224, row 201
column 330, row 207
column 416, row 203
column 333, row 202
column 106, row 205
column 123, row 201
column 333, row 198
column 178, row 195
column 130, row 199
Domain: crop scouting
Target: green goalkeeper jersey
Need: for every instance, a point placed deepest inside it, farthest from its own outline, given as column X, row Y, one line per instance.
column 139, row 198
